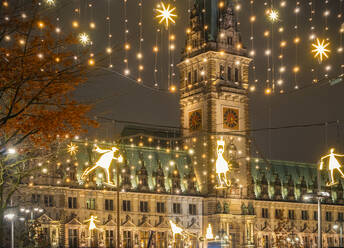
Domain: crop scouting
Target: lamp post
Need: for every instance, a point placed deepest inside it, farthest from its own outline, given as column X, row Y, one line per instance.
column 10, row 217
column 339, row 226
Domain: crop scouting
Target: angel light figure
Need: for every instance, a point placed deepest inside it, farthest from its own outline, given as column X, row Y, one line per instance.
column 105, row 161
column 222, row 167
column 333, row 164
column 92, row 224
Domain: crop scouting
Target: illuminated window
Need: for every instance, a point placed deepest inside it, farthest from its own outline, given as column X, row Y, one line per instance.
column 109, row 239
column 127, row 239
column 161, row 240
column 73, row 238
column 91, row 203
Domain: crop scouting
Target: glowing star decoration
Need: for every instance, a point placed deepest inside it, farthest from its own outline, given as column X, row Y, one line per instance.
column 105, row 162
column 333, row 164
column 273, row 15
column 50, row 2
column 84, row 39
column 321, row 49
column 72, row 148
column 92, row 224
column 222, row 167
column 209, row 234
column 166, row 14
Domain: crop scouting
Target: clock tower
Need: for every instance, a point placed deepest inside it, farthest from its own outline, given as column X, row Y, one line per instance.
column 213, row 96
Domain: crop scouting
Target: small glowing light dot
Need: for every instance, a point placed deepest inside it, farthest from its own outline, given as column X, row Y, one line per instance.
column 91, row 62
column 155, row 49
column 127, row 46
column 108, row 50
column 268, row 91
column 75, row 24
column 92, row 25
column 126, row 72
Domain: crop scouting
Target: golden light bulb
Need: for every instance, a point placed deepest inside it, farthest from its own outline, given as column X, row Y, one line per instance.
column 108, row 50
column 91, row 62
column 297, row 40
column 173, row 88
column 155, row 49
column 92, row 25
column 75, row 24
column 127, row 46
column 40, row 24
column 268, row 91
column 296, row 69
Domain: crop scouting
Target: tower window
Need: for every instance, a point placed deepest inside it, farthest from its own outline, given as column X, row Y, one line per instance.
column 195, row 76
column 236, row 76
column 229, row 73
column 222, row 72
column 202, row 74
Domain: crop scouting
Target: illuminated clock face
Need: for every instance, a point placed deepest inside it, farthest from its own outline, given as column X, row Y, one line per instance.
column 195, row 120
column 230, row 118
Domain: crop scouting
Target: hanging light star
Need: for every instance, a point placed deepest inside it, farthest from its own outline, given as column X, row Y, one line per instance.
column 166, row 14
column 72, row 149
column 321, row 49
column 50, row 2
column 273, row 15
column 84, row 39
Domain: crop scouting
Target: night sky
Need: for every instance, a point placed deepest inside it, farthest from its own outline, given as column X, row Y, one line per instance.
column 122, row 99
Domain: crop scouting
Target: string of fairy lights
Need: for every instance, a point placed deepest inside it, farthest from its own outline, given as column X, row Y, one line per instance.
column 285, row 64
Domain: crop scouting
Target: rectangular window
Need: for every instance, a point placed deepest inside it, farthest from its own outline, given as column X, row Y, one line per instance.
column 108, row 204
column 160, row 207
column 161, row 240
column 328, row 216
column 192, row 209
column 340, row 216
column 72, row 202
column 304, row 215
column 229, row 73
column 195, row 76
column 291, row 214
column 109, row 239
column 91, row 203
column 278, row 213
column 144, row 206
column 176, row 208
column 236, row 75
column 265, row 213
column 35, row 198
column 189, row 77
column 126, row 206
column 266, row 241
column 222, row 72
column 202, row 72
column 127, row 238
column 315, row 215
column 73, row 238
column 48, row 200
